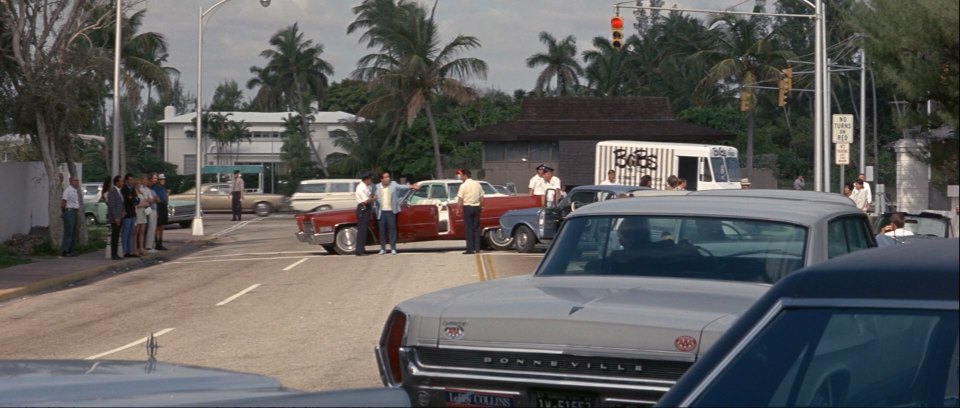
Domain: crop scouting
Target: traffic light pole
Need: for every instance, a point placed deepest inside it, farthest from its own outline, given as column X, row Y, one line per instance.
column 820, row 133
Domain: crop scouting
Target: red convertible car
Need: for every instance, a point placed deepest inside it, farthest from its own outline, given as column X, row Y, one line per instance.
column 429, row 213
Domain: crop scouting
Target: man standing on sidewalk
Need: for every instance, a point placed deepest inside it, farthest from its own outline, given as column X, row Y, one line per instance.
column 470, row 200
column 160, row 189
column 70, row 204
column 237, row 195
column 115, row 216
column 130, row 201
column 146, row 193
column 365, row 198
column 388, row 194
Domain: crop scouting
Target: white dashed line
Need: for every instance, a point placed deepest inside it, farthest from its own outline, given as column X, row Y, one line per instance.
column 136, row 343
column 241, row 293
column 295, row 264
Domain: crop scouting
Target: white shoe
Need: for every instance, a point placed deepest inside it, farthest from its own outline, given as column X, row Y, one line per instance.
column 382, row 252
column 152, row 251
column 393, row 252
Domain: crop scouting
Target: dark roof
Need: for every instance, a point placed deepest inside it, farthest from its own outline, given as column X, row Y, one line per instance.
column 596, row 118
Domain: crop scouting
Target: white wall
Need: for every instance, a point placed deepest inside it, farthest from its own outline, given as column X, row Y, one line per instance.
column 913, row 177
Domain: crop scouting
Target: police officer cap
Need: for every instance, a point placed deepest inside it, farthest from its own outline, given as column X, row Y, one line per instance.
column 548, row 169
column 541, row 167
column 365, row 175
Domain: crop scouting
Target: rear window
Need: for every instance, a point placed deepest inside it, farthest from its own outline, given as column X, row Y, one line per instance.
column 312, row 188
column 677, row 246
column 342, row 187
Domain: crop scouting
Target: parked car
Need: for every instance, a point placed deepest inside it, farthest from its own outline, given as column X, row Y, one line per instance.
column 937, row 224
column 181, row 212
column 528, row 227
column 217, row 198
column 324, row 194
column 627, row 297
column 91, row 192
column 428, row 214
column 876, row 328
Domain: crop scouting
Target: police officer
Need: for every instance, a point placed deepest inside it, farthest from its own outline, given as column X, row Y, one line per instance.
column 365, row 198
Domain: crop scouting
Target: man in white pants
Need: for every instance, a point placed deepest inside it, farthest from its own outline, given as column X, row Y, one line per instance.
column 146, row 193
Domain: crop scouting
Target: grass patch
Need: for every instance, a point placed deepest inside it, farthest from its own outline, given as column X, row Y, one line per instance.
column 7, row 259
column 95, row 242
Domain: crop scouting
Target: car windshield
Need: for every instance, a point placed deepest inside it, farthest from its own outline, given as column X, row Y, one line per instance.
column 922, row 225
column 91, row 190
column 677, row 246
column 844, row 357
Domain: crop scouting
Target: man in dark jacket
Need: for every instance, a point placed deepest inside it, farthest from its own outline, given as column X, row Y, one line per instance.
column 115, row 216
column 130, row 201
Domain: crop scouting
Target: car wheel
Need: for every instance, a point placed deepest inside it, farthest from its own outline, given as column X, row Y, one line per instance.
column 498, row 240
column 330, row 248
column 525, row 239
column 346, row 241
column 262, row 209
column 91, row 220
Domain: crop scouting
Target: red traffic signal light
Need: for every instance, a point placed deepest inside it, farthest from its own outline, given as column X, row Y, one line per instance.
column 616, row 28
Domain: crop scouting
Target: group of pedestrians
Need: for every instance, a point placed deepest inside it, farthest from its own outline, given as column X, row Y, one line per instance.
column 859, row 191
column 383, row 198
column 137, row 212
column 542, row 181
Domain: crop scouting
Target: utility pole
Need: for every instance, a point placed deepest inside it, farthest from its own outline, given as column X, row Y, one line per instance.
column 117, row 124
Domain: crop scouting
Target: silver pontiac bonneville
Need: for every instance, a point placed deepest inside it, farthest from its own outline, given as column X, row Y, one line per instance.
column 627, row 297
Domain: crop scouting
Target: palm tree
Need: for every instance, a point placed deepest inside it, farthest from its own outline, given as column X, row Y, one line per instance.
column 608, row 69
column 561, row 63
column 745, row 54
column 361, row 144
column 412, row 68
column 295, row 69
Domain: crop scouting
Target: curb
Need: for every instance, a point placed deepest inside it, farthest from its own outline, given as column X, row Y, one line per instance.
column 115, row 268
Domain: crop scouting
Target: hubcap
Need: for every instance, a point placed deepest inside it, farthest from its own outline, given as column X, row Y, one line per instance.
column 499, row 238
column 347, row 239
column 522, row 239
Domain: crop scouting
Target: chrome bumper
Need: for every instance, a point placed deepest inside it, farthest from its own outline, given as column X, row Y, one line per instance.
column 321, row 239
column 432, row 386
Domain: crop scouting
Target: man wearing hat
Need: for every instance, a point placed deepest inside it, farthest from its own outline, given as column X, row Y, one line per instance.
column 236, row 195
column 745, row 184
column 365, row 198
column 550, row 182
column 160, row 190
column 536, row 186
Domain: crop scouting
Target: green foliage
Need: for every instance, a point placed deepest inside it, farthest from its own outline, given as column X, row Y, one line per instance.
column 295, row 155
column 560, row 64
column 7, row 259
column 227, row 97
column 346, row 96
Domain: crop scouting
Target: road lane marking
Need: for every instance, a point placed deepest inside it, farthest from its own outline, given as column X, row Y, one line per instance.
column 240, row 293
column 491, row 268
column 295, row 264
column 481, row 270
column 134, row 344
column 253, row 254
column 244, row 259
column 235, row 227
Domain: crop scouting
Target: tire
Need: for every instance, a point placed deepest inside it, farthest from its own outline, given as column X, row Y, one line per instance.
column 345, row 242
column 498, row 240
column 525, row 239
column 330, row 248
column 262, row 209
column 91, row 220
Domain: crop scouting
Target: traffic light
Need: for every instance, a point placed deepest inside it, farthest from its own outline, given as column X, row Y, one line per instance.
column 746, row 98
column 784, row 86
column 616, row 28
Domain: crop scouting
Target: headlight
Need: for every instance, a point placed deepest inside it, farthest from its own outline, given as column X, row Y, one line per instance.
column 171, row 211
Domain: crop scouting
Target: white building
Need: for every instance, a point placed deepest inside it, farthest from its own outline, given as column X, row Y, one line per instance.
column 180, row 143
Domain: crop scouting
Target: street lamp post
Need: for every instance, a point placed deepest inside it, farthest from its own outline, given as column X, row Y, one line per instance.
column 198, row 215
column 117, row 130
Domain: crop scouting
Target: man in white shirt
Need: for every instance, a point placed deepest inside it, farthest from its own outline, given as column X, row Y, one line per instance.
column 236, row 195
column 70, row 204
column 365, row 198
column 536, row 186
column 895, row 228
column 470, row 200
column 859, row 196
column 147, row 194
column 611, row 179
column 550, row 183
column 866, row 187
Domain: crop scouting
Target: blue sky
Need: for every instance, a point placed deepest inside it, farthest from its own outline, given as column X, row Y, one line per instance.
column 239, row 30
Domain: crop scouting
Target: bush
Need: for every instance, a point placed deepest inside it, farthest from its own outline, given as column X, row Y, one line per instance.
column 8, row 259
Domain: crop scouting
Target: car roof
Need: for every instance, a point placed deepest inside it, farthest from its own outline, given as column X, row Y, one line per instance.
column 794, row 195
column 320, row 181
column 616, row 188
column 926, row 270
column 673, row 202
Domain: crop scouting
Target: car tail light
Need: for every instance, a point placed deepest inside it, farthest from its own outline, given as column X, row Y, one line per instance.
column 390, row 342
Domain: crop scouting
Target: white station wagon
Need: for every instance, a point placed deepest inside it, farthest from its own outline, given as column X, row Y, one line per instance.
column 625, row 300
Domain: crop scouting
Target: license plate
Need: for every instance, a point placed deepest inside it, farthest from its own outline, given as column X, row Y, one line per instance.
column 551, row 399
column 466, row 398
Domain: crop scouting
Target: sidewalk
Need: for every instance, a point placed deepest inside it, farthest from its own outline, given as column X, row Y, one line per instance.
column 45, row 273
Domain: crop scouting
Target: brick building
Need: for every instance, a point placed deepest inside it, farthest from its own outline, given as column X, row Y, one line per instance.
column 563, row 133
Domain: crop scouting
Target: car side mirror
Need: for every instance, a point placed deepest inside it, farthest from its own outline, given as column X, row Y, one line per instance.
column 550, row 198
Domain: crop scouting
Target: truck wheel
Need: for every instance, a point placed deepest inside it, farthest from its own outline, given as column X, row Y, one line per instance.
column 498, row 240
column 346, row 241
column 330, row 248
column 262, row 209
column 525, row 239
column 91, row 220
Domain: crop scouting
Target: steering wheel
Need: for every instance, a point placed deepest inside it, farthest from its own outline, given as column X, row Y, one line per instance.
column 574, row 205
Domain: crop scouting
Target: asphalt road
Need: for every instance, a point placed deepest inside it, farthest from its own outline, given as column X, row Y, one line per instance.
column 256, row 301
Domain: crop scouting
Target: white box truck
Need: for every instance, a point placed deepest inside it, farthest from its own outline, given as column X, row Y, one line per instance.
column 705, row 167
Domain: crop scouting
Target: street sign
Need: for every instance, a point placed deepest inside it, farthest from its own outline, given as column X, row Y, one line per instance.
column 842, row 128
column 842, row 154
